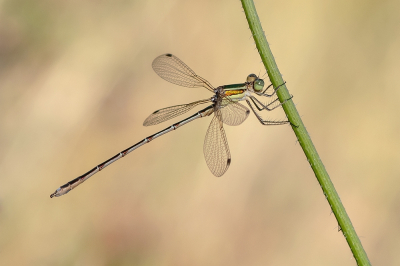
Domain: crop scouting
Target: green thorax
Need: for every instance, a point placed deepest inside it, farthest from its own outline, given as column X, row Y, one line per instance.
column 235, row 91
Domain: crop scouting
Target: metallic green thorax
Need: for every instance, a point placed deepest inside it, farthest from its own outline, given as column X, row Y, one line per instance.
column 235, row 91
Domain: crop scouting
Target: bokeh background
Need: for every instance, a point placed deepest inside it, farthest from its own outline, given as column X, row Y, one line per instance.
column 76, row 84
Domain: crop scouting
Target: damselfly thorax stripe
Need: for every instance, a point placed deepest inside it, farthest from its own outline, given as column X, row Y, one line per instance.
column 224, row 104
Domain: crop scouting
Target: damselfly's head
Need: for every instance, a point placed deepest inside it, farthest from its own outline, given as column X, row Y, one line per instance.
column 258, row 84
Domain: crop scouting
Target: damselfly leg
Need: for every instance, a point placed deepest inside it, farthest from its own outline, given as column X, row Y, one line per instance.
column 224, row 104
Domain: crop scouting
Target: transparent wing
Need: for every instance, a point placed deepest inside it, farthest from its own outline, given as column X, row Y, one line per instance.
column 172, row 69
column 233, row 113
column 167, row 113
column 216, row 149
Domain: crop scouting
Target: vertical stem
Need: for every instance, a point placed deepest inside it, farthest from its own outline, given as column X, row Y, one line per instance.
column 301, row 133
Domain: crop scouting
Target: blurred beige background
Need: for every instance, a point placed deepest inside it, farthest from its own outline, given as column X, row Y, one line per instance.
column 76, row 84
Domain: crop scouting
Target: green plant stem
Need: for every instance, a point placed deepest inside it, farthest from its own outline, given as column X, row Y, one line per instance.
column 302, row 135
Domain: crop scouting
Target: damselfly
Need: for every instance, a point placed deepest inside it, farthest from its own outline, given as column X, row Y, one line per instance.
column 224, row 104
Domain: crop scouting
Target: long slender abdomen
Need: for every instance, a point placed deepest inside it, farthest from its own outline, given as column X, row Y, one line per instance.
column 64, row 189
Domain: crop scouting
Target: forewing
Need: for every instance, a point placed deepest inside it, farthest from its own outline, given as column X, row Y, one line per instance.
column 234, row 113
column 167, row 113
column 172, row 69
column 216, row 149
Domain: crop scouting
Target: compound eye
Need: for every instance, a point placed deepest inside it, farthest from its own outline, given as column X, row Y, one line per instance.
column 258, row 84
column 251, row 77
